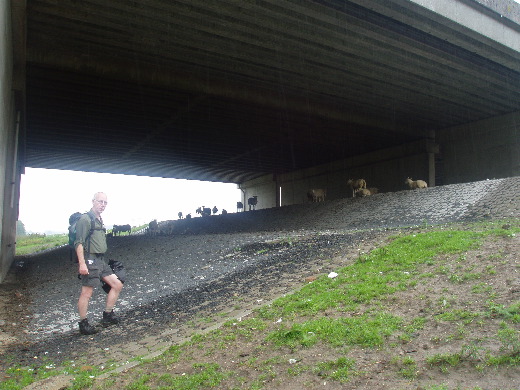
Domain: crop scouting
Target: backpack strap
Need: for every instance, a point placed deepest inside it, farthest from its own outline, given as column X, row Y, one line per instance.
column 92, row 228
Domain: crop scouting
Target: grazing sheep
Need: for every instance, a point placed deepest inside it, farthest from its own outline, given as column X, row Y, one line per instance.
column 180, row 214
column 373, row 190
column 252, row 202
column 356, row 184
column 224, row 212
column 317, row 194
column 188, row 216
column 240, row 206
column 215, row 210
column 413, row 184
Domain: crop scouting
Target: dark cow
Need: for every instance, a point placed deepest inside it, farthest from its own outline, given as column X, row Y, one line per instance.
column 153, row 228
column 203, row 211
column 118, row 229
column 252, row 202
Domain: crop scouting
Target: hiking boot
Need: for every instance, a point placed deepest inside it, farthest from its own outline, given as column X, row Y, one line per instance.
column 86, row 328
column 110, row 318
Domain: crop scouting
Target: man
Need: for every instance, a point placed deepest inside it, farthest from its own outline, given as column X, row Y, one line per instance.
column 91, row 246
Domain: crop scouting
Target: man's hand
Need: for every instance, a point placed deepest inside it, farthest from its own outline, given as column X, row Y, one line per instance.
column 83, row 270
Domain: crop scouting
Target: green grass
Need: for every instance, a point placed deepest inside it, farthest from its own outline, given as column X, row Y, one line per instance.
column 374, row 276
column 34, row 243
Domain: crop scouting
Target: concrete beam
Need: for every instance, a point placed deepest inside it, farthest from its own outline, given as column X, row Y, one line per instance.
column 474, row 17
column 479, row 26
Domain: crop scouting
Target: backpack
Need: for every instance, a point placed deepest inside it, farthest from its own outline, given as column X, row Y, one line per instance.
column 73, row 220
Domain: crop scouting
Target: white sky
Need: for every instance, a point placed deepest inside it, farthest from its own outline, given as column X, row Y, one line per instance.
column 49, row 196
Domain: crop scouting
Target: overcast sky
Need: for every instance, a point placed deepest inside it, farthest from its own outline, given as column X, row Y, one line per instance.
column 49, row 196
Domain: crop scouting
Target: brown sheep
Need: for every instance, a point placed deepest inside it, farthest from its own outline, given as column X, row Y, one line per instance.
column 413, row 184
column 356, row 184
column 362, row 192
column 317, row 194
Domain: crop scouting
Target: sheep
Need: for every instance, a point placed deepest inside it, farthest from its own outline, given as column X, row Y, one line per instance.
column 188, row 216
column 413, row 184
column 373, row 190
column 224, row 212
column 215, row 210
column 362, row 192
column 317, row 194
column 240, row 206
column 356, row 184
column 252, row 202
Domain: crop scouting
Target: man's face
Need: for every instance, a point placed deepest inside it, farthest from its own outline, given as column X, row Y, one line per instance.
column 99, row 203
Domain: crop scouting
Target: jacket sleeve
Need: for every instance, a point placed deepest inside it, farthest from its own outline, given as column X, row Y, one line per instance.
column 82, row 230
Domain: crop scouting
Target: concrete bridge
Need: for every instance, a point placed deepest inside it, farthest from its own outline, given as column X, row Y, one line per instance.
column 275, row 96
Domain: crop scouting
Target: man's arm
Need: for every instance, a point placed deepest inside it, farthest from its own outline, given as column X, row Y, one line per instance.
column 83, row 270
column 82, row 228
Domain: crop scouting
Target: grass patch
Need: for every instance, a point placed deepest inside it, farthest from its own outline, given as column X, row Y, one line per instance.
column 380, row 273
column 340, row 370
column 366, row 331
column 34, row 243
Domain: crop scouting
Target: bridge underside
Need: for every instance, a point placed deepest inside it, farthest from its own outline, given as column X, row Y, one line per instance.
column 233, row 90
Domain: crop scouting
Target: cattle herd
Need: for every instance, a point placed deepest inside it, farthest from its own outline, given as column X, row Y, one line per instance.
column 358, row 187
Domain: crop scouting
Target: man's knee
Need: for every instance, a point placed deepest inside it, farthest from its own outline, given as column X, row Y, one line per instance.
column 86, row 292
column 118, row 285
column 114, row 282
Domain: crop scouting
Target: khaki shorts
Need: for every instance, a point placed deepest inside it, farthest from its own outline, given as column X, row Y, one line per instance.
column 97, row 270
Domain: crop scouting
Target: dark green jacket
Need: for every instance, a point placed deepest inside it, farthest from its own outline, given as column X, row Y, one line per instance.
column 98, row 241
